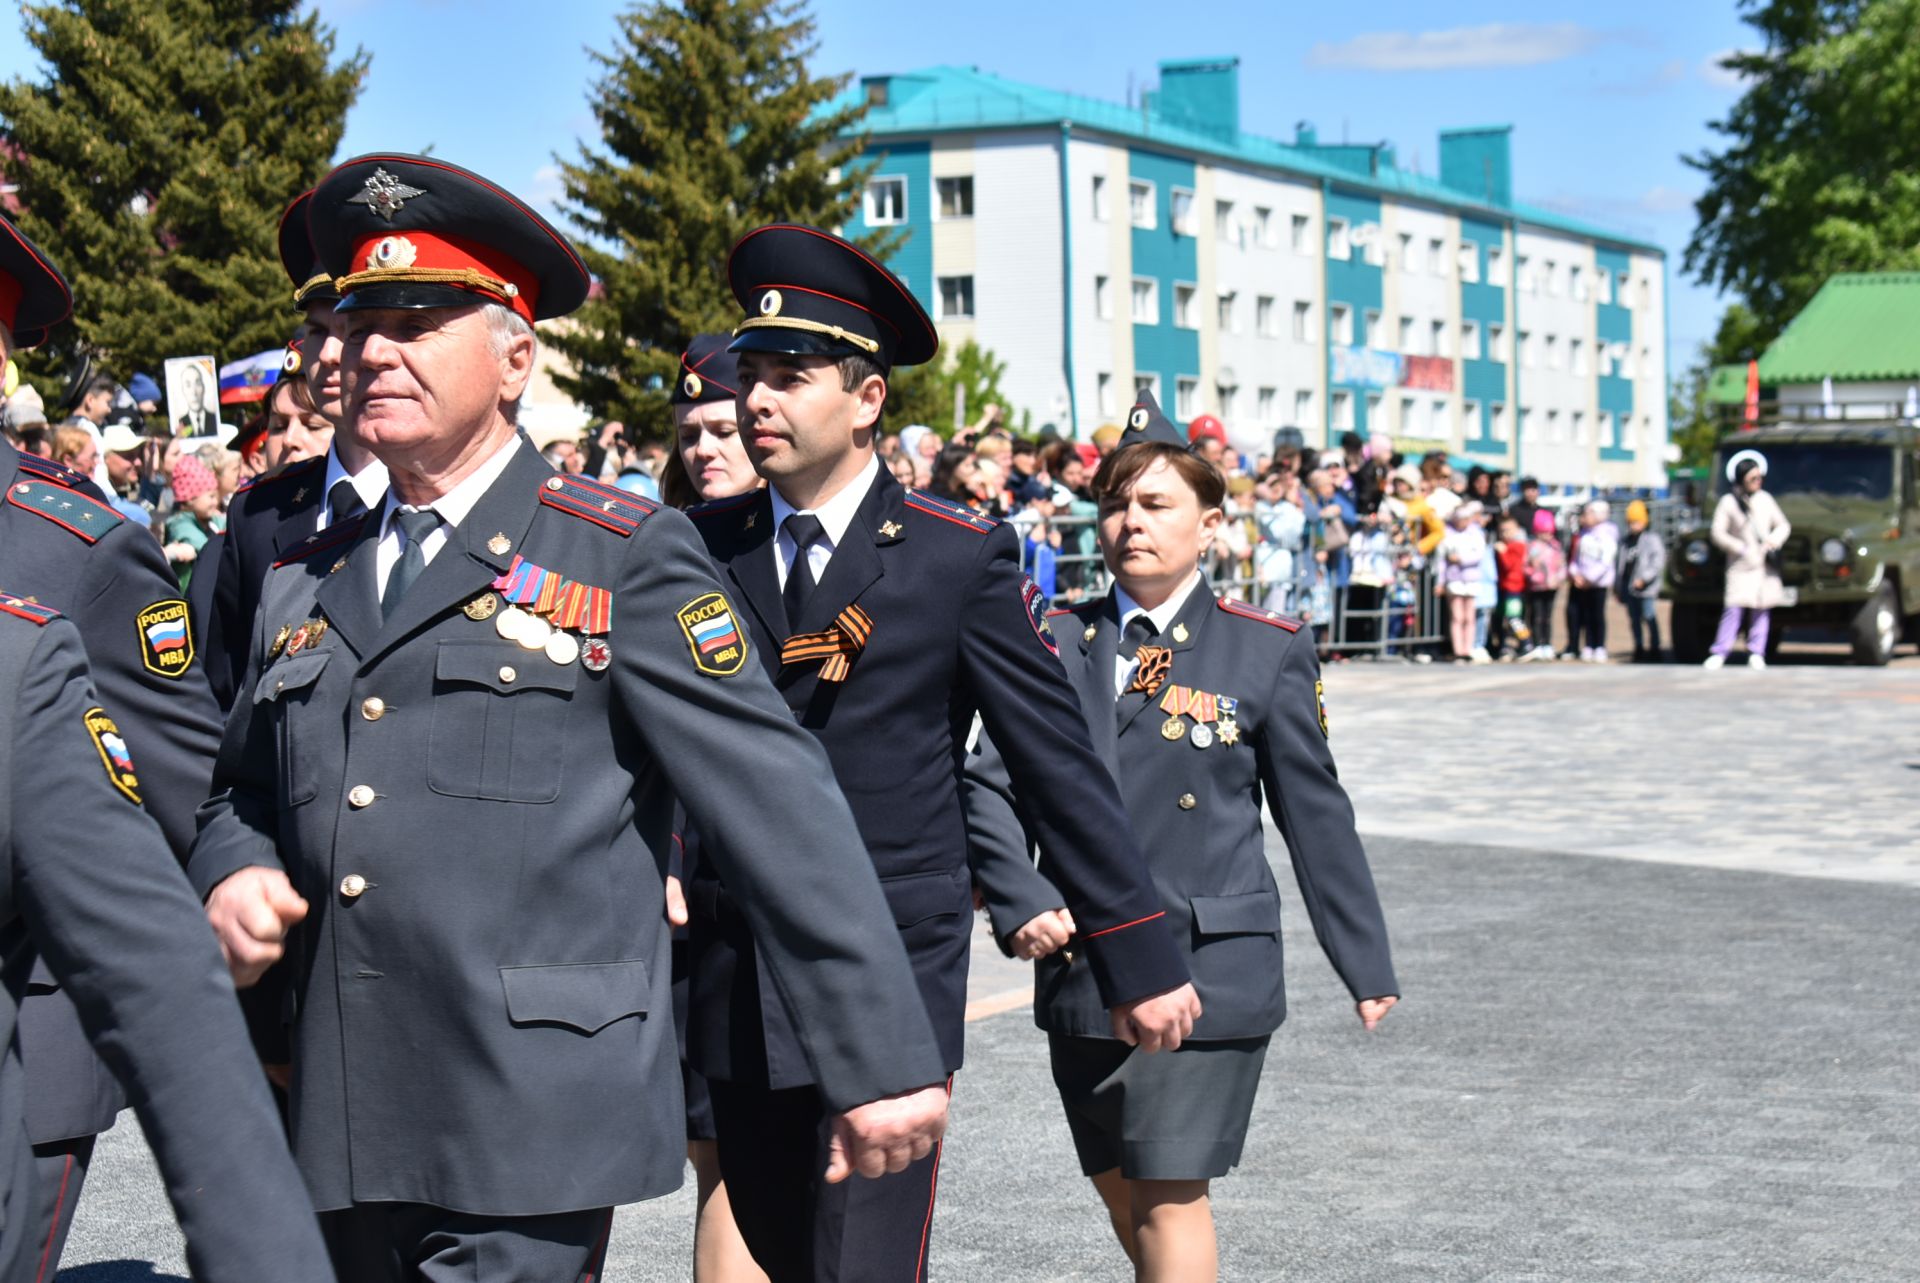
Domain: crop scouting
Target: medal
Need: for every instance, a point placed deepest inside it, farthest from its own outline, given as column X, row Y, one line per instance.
column 1229, row 732
column 1202, row 735
column 316, row 629
column 280, row 641
column 1172, row 729
column 595, row 655
column 563, row 648
column 297, row 642
column 533, row 632
column 507, row 622
column 482, row 607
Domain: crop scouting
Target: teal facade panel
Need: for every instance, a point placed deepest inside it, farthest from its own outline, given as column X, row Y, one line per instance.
column 912, row 259
column 1483, row 379
column 1356, row 283
column 1164, row 349
column 1613, row 323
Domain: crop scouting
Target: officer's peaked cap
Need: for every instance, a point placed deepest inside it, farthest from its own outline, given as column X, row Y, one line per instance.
column 809, row 292
column 312, row 283
column 708, row 371
column 34, row 297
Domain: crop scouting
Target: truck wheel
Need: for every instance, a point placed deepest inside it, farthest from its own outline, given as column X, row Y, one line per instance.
column 1693, row 627
column 1876, row 629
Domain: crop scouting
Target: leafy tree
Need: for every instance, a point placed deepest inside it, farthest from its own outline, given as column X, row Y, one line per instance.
column 1818, row 174
column 925, row 393
column 153, row 161
column 711, row 125
column 1696, row 422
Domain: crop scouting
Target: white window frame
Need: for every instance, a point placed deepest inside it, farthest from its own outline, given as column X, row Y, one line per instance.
column 1302, row 321
column 1186, row 396
column 1470, row 348
column 1225, row 397
column 1469, row 419
column 1500, row 425
column 1554, row 358
column 940, row 297
column 1469, row 262
column 1496, row 264
column 1141, row 193
column 1263, row 225
column 1226, row 313
column 1370, row 327
column 1497, row 342
column 1405, row 346
column 1103, row 395
column 1223, row 220
column 1437, row 256
column 1134, row 308
column 1099, row 201
column 1524, row 269
column 1300, row 232
column 1409, row 254
column 1180, row 211
column 1184, row 293
column 1146, row 383
column 1577, row 356
column 1603, row 286
column 1410, row 417
column 1339, row 239
column 1340, row 319
column 1103, row 297
column 1266, row 314
column 1302, row 407
column 1342, row 410
column 1266, row 405
column 939, row 197
column 1438, row 340
column 870, row 209
column 1578, row 283
column 1374, row 412
column 1528, row 353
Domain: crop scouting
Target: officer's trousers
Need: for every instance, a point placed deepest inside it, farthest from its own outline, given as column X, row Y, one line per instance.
column 59, row 1170
column 773, row 1152
column 416, row 1243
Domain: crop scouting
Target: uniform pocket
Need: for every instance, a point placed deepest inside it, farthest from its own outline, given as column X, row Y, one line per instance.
column 1255, row 913
column 283, row 687
column 587, row 996
column 920, row 896
column 499, row 717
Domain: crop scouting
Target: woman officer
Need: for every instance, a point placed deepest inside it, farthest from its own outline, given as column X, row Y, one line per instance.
column 1197, row 704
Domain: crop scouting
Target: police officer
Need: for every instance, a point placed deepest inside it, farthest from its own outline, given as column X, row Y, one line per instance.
column 63, row 546
column 452, row 784
column 886, row 617
column 272, row 513
column 104, row 903
column 1197, row 704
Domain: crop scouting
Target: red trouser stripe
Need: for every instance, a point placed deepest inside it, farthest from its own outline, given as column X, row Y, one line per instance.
column 53, row 1230
column 933, row 1190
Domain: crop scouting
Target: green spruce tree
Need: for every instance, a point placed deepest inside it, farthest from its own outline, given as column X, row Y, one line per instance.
column 153, row 161
column 711, row 125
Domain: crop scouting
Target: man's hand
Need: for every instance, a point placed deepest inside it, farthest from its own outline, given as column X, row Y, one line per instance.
column 676, row 902
column 1042, row 935
column 251, row 912
column 1374, row 1010
column 887, row 1135
column 1159, row 1023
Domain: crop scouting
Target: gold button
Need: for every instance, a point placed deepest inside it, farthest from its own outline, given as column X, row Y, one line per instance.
column 1188, row 801
column 352, row 885
column 508, row 672
column 360, row 795
column 373, row 708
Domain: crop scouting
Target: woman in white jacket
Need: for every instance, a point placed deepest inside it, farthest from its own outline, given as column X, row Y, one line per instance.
column 1750, row 529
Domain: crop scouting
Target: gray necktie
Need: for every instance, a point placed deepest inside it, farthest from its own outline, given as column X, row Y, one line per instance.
column 415, row 526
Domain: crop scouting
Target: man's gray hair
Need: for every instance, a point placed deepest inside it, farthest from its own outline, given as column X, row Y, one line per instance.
column 503, row 326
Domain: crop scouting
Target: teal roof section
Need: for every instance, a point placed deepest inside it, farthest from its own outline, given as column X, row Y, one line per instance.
column 949, row 99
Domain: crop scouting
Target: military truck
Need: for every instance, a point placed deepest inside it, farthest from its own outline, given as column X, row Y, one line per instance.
column 1851, row 568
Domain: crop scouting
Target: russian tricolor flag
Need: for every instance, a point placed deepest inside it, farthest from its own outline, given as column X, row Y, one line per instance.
column 712, row 634
column 246, row 381
column 117, row 750
column 169, row 634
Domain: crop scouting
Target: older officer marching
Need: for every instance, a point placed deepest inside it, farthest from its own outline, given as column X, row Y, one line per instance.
column 887, row 617
column 62, row 545
column 453, row 783
column 1197, row 704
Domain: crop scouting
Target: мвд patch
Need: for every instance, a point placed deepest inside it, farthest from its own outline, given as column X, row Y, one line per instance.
column 166, row 638
column 714, row 635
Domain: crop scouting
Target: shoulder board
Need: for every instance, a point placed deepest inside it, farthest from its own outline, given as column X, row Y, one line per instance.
column 85, row 517
column 31, row 611
column 58, row 473
column 298, row 468
column 947, row 510
column 1242, row 609
column 334, row 536
column 607, row 506
column 732, row 503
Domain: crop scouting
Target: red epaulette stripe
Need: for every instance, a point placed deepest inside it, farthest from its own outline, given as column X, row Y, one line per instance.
column 31, row 611
column 978, row 524
column 332, row 537
column 1245, row 611
column 716, row 506
column 47, row 470
column 1055, row 614
column 91, row 536
column 578, row 505
column 1124, row 925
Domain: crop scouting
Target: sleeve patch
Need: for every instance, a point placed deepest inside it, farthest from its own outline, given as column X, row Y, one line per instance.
column 714, row 635
column 113, row 753
column 1035, row 602
column 166, row 638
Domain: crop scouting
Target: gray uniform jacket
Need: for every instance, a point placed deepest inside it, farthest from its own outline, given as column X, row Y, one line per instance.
column 1197, row 814
column 103, row 902
column 483, row 1015
column 63, row 546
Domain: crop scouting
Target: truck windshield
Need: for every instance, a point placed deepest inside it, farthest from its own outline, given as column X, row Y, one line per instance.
column 1840, row 471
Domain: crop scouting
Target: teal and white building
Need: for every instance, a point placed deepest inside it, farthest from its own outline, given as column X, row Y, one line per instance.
column 1096, row 248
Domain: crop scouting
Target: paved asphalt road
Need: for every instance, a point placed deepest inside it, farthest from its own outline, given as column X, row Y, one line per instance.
column 1694, row 1063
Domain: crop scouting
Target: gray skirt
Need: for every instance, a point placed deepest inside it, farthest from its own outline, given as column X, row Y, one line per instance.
column 1170, row 1116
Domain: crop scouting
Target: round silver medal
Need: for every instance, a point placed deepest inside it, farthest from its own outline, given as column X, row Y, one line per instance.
column 1201, row 736
column 563, row 648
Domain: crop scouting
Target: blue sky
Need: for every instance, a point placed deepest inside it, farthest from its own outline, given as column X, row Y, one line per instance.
column 1603, row 99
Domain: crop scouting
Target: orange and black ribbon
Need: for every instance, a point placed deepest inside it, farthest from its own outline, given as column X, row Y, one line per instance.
column 851, row 630
column 1154, row 664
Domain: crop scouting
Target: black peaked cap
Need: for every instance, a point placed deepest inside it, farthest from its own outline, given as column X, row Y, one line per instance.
column 811, row 293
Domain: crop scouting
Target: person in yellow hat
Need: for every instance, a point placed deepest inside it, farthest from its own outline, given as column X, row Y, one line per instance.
column 1643, row 560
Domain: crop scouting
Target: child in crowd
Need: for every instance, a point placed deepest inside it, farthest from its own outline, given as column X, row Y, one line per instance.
column 1460, row 555
column 1546, row 570
column 1510, row 631
column 1594, row 554
column 1643, row 559
column 1487, row 594
column 197, row 492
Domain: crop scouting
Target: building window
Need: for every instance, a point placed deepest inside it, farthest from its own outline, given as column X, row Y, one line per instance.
column 1226, row 397
column 1555, row 285
column 1437, row 416
column 1105, row 396
column 1186, row 397
column 1470, row 417
column 1437, row 338
column 1469, row 262
column 1266, row 404
column 1146, row 383
column 1470, row 340
column 1103, row 298
column 1409, row 254
column 1437, row 257
column 1339, row 244
column 1500, row 425
column 886, row 201
column 1140, row 203
column 1343, row 411
column 1603, row 284
column 1406, row 336
column 1577, row 355
column 1527, row 354
column 1302, row 234
column 1410, row 417
column 1496, row 265
column 1263, row 225
column 1183, row 307
column 1146, row 301
column 1265, row 317
column 1646, row 361
column 1496, row 341
column 1579, row 284
column 1302, row 407
column 956, row 196
column 1180, row 210
column 1342, row 317
column 1553, row 425
column 1553, row 352
column 1370, row 328
column 1100, row 197
column 1526, row 280
column 1226, row 321
column 956, row 298
column 1302, row 321
column 1223, row 219
column 1374, row 411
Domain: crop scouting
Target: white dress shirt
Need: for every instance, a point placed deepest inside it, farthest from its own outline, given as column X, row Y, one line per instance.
column 1162, row 617
column 836, row 514
column 452, row 509
column 370, row 484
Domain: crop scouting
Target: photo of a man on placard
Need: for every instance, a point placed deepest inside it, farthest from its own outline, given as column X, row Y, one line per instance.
column 193, row 406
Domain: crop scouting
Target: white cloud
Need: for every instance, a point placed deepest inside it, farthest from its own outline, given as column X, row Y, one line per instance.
column 1665, row 76
column 1664, row 200
column 546, row 188
column 1497, row 44
column 1719, row 77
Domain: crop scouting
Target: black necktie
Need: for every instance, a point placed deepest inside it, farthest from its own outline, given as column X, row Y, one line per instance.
column 415, row 526
column 343, row 502
column 805, row 530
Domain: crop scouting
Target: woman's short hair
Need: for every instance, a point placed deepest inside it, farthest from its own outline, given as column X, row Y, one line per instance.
column 1122, row 470
column 69, row 443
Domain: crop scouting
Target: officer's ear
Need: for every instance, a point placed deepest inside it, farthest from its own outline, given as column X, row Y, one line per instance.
column 871, row 396
column 1210, row 519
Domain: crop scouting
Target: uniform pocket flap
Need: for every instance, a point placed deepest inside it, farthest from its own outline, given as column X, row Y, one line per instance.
column 502, row 666
column 587, row 996
column 920, row 896
column 1231, row 915
column 290, row 675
